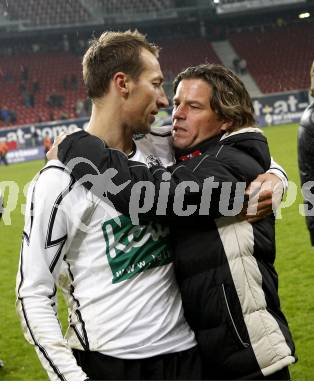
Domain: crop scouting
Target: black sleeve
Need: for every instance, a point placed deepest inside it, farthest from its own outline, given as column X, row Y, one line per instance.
column 85, row 152
column 203, row 186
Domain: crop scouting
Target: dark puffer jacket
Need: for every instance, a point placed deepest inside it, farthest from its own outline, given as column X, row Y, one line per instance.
column 306, row 162
column 229, row 286
column 224, row 266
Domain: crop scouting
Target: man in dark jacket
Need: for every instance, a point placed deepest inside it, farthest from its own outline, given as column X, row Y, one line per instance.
column 224, row 265
column 306, row 162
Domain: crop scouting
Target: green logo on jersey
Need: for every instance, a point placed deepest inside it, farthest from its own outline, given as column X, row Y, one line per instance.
column 133, row 249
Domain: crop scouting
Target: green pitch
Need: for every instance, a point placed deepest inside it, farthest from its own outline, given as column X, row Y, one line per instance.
column 294, row 264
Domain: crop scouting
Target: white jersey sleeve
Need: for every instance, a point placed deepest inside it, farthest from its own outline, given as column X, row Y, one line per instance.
column 43, row 247
column 277, row 170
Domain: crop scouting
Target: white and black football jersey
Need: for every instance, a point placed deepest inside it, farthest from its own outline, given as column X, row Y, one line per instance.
column 117, row 278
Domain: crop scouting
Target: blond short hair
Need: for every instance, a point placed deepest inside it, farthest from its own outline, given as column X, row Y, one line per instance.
column 112, row 52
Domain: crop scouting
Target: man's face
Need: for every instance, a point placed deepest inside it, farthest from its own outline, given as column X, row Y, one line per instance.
column 146, row 95
column 192, row 117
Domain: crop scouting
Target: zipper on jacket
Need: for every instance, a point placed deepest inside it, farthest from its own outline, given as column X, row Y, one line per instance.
column 245, row 345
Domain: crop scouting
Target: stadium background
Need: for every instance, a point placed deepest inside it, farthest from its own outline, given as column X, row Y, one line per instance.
column 269, row 43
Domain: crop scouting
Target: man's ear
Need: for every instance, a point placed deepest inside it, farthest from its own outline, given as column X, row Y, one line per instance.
column 226, row 125
column 121, row 83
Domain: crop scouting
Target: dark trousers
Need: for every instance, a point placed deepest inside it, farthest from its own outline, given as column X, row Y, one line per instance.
column 179, row 366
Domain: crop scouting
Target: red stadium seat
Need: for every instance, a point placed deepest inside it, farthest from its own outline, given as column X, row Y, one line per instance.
column 279, row 58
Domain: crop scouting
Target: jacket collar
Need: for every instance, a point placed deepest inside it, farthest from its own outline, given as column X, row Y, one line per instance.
column 197, row 150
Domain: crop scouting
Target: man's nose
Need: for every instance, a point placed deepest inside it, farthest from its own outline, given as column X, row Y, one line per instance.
column 178, row 113
column 162, row 100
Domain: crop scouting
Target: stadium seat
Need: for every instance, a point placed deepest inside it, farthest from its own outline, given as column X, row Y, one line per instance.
column 279, row 58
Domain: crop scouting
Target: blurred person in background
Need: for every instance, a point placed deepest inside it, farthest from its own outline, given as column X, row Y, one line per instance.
column 35, row 86
column 34, row 133
column 5, row 115
column 47, row 143
column 306, row 159
column 3, row 152
column 242, row 66
column 24, row 72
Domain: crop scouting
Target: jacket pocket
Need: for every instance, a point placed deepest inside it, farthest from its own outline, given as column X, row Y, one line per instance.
column 243, row 343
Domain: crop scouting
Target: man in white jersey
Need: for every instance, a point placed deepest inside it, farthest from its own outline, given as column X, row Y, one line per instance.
column 125, row 312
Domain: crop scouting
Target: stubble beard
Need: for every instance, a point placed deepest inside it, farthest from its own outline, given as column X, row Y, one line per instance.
column 142, row 129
